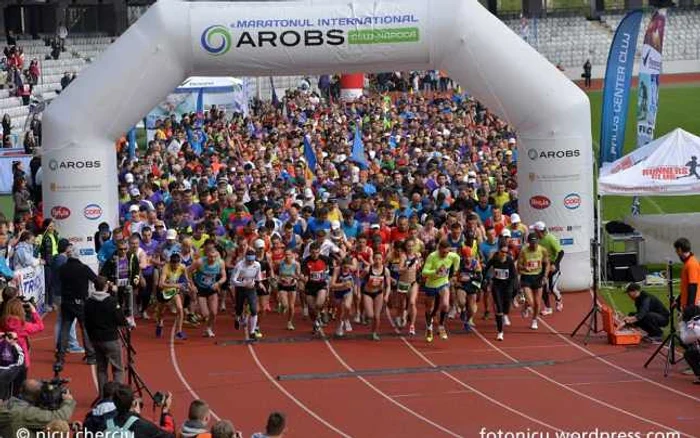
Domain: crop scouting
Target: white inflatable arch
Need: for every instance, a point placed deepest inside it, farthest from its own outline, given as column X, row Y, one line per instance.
column 175, row 39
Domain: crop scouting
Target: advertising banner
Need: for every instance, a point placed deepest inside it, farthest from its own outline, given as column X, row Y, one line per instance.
column 358, row 34
column 616, row 89
column 649, row 72
column 30, row 282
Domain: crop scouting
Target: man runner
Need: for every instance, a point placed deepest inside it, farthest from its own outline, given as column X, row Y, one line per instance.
column 436, row 287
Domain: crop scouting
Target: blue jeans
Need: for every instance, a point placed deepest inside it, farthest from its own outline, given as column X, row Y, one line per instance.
column 73, row 343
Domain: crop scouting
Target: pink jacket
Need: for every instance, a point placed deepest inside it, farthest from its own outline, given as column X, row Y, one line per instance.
column 24, row 330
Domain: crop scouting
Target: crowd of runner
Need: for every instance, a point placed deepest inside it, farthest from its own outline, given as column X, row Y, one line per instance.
column 276, row 211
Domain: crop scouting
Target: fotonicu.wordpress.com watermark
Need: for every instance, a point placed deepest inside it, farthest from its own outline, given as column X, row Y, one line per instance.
column 592, row 433
column 26, row 433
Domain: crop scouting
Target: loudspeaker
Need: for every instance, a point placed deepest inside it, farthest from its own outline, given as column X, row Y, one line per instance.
column 619, row 265
column 637, row 273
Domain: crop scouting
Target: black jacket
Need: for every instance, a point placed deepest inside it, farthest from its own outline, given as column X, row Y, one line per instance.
column 143, row 428
column 109, row 269
column 103, row 317
column 75, row 278
column 646, row 303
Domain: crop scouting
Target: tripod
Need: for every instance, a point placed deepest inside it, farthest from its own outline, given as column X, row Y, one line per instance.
column 132, row 376
column 672, row 340
column 591, row 318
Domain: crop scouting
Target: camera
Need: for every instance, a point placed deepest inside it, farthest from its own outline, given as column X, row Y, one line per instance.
column 52, row 391
column 159, row 398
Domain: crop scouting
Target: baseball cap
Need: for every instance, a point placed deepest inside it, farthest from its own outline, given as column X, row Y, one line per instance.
column 171, row 234
column 515, row 218
column 129, row 178
column 505, row 233
column 133, row 207
column 259, row 244
column 539, row 226
column 135, row 192
column 375, row 226
column 511, row 140
column 335, row 225
column 532, row 238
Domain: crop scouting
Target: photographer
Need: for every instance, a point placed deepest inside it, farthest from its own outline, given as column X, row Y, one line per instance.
column 103, row 317
column 197, row 420
column 128, row 416
column 75, row 278
column 14, row 320
column 102, row 410
column 12, row 369
column 123, row 271
column 28, row 412
column 690, row 335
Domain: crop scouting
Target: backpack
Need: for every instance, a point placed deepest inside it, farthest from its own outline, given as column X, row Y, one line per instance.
column 114, row 430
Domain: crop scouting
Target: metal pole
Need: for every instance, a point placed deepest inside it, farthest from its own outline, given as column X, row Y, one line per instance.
column 598, row 231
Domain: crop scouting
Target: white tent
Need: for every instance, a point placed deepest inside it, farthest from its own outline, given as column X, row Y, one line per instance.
column 668, row 166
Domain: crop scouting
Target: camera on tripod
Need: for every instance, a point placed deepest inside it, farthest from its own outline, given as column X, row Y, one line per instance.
column 52, row 391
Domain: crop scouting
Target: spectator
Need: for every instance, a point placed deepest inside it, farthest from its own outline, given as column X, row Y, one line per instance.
column 12, row 368
column 14, row 320
column 587, row 73
column 58, row 429
column 65, row 80
column 128, row 416
column 276, row 426
column 22, row 198
column 65, row 250
column 6, row 127
column 224, row 429
column 102, row 410
column 197, row 420
column 25, row 412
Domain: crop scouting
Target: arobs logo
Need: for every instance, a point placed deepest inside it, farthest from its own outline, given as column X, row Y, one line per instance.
column 216, row 40
column 572, row 201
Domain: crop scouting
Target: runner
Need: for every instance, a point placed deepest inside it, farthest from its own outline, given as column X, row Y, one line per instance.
column 246, row 276
column 363, row 255
column 408, row 282
column 436, row 274
column 288, row 273
column 376, row 292
column 398, row 304
column 316, row 268
column 169, row 289
column 468, row 285
column 487, row 248
column 504, row 279
column 532, row 265
column 342, row 285
column 209, row 274
column 553, row 247
column 148, row 270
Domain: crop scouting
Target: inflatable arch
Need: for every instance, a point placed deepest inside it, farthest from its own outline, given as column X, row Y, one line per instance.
column 175, row 39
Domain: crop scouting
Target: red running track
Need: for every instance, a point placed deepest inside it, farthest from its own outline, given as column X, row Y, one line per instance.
column 588, row 387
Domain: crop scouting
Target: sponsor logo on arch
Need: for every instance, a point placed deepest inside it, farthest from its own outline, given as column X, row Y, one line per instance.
column 92, row 212
column 572, row 201
column 540, row 202
column 557, row 154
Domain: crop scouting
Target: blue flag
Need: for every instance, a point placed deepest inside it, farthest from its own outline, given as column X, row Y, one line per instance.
column 616, row 91
column 309, row 155
column 358, row 149
column 275, row 99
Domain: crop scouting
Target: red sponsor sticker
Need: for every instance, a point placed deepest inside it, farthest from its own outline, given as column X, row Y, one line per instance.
column 540, row 202
column 59, row 212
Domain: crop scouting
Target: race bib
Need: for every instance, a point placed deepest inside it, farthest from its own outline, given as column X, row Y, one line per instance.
column 501, row 274
column 169, row 293
column 531, row 265
column 208, row 280
column 465, row 277
column 123, row 282
column 316, row 276
column 516, row 241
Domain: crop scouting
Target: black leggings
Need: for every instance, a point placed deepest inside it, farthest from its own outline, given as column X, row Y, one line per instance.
column 502, row 296
column 146, row 292
column 243, row 295
column 692, row 356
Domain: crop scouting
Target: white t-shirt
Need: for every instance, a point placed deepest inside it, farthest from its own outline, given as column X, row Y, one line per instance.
column 246, row 273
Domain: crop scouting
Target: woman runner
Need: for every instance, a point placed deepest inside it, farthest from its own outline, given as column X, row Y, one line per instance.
column 342, row 285
column 246, row 276
column 408, row 284
column 503, row 283
column 209, row 274
column 468, row 287
column 376, row 292
column 170, row 287
column 267, row 274
column 363, row 254
column 288, row 273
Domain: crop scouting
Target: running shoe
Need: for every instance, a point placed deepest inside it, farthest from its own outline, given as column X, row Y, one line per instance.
column 348, row 327
column 429, row 335
column 375, row 336
column 305, row 311
column 258, row 333
column 533, row 326
column 290, row 326
column 471, row 322
column 357, row 319
column 339, row 331
column 159, row 331
column 499, row 336
column 506, row 320
column 487, row 315
column 560, row 306
column 316, row 328
column 79, row 350
column 192, row 319
column 144, row 315
column 130, row 322
column 443, row 333
column 208, row 333
column 412, row 330
column 546, row 311
column 467, row 327
column 180, row 336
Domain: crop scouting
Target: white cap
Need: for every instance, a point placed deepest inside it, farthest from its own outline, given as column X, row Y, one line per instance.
column 335, row 225
column 375, row 226
column 259, row 244
column 515, row 218
column 135, row 192
column 308, row 193
column 171, row 234
column 505, row 232
column 134, row 207
column 511, row 141
column 129, row 178
column 539, row 226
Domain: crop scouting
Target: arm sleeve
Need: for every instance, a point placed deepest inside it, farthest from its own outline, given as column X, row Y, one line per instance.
column 643, row 308
column 35, row 326
column 429, row 268
column 692, row 294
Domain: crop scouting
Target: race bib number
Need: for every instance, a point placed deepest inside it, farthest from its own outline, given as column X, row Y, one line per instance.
column 516, row 241
column 531, row 265
column 208, row 280
column 123, row 282
column 376, row 282
column 465, row 277
column 501, row 274
column 316, row 276
column 169, row 293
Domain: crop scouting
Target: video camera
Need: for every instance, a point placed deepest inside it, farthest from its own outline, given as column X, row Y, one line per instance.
column 52, row 391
